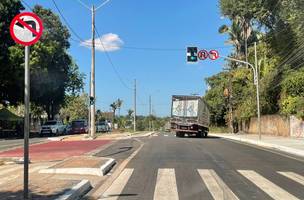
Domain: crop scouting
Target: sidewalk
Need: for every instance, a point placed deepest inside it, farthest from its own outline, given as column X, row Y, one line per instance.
column 289, row 145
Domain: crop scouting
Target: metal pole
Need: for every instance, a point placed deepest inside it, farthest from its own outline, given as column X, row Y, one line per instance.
column 89, row 108
column 150, row 115
column 134, row 118
column 92, row 119
column 257, row 90
column 26, row 121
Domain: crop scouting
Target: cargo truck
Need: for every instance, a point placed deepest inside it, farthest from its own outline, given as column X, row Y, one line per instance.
column 189, row 115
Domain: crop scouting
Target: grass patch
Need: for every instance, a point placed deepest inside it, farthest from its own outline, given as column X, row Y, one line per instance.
column 219, row 129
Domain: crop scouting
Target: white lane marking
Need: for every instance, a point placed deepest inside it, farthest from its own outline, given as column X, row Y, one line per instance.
column 166, row 135
column 216, row 186
column 113, row 192
column 294, row 176
column 166, row 188
column 267, row 186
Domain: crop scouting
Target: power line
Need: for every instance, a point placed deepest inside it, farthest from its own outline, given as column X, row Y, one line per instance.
column 27, row 5
column 102, row 4
column 111, row 62
column 66, row 21
column 83, row 4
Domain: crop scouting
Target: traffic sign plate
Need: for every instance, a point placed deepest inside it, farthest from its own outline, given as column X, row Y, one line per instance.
column 203, row 54
column 214, row 54
column 26, row 28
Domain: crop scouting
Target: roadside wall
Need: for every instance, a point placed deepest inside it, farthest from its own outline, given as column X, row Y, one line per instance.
column 275, row 125
column 296, row 127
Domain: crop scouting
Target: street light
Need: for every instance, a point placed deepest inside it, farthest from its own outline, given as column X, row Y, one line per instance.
column 256, row 83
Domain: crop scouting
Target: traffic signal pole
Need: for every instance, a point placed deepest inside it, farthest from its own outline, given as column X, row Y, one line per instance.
column 256, row 83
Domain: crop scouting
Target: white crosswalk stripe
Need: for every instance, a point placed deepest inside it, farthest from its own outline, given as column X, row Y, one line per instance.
column 114, row 191
column 293, row 176
column 166, row 185
column 216, row 186
column 267, row 186
column 166, row 188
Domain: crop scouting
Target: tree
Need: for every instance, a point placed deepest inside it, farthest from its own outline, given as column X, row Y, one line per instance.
column 119, row 104
column 10, row 82
column 75, row 107
column 53, row 72
column 114, row 108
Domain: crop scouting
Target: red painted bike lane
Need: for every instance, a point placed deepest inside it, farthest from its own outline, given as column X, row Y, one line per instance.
column 57, row 150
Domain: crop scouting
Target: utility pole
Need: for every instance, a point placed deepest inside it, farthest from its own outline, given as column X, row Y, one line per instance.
column 134, row 118
column 89, row 107
column 230, row 101
column 92, row 97
column 150, row 114
column 257, row 90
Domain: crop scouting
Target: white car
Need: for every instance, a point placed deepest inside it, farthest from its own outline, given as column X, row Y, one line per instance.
column 53, row 127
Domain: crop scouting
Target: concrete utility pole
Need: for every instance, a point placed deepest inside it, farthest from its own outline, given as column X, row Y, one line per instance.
column 92, row 104
column 150, row 114
column 134, row 118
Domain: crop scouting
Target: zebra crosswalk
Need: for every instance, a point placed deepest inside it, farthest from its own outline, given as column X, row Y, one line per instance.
column 166, row 187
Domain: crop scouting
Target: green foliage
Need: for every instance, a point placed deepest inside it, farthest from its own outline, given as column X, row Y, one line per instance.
column 10, row 88
column 53, row 73
column 277, row 27
column 292, row 96
column 76, row 107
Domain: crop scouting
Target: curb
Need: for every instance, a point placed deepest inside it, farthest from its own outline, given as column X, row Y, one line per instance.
column 105, row 168
column 56, row 138
column 101, row 171
column 265, row 145
column 77, row 191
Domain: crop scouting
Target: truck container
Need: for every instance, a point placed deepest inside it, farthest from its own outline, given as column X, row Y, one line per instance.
column 189, row 115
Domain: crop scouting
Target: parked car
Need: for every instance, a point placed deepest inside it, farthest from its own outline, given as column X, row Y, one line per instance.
column 53, row 127
column 79, row 126
column 102, row 127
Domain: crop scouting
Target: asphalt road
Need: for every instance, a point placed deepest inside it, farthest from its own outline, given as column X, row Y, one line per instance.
column 6, row 144
column 209, row 168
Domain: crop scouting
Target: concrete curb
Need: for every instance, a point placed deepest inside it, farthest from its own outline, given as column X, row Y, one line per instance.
column 77, row 191
column 263, row 144
column 56, row 138
column 105, row 168
column 101, row 171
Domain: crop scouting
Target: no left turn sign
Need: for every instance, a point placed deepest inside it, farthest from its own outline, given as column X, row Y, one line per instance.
column 26, row 28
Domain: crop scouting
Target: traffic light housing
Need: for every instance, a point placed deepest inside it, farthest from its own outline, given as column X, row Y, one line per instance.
column 192, row 54
column 92, row 100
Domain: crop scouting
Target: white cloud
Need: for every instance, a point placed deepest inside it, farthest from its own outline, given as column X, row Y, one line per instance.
column 107, row 42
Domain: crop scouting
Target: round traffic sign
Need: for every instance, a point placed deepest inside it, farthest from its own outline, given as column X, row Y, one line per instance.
column 214, row 54
column 26, row 28
column 203, row 54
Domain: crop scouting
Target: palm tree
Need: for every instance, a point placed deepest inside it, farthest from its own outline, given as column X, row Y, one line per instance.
column 114, row 108
column 119, row 104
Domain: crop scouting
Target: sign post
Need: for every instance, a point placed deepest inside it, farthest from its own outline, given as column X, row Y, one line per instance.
column 26, row 29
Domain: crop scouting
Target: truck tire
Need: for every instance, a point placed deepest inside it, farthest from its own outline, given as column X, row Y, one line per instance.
column 205, row 134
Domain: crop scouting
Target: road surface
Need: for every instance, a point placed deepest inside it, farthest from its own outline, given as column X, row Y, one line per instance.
column 6, row 144
column 170, row 168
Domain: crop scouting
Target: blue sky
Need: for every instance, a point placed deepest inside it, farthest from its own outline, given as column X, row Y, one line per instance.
column 169, row 26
